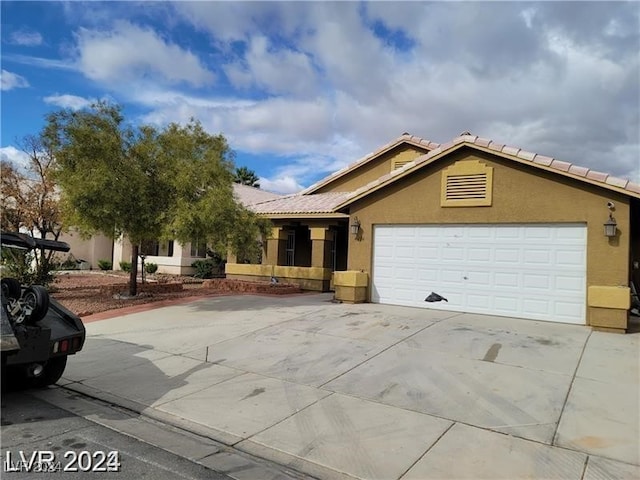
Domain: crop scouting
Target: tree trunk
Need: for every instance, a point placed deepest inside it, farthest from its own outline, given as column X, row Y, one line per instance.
column 133, row 276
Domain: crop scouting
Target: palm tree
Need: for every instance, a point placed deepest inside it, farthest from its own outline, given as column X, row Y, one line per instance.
column 245, row 176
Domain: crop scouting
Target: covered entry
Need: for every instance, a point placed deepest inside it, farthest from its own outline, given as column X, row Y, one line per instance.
column 535, row 271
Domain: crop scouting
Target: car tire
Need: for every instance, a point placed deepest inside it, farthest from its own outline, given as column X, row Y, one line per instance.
column 16, row 378
column 37, row 298
column 11, row 288
column 53, row 370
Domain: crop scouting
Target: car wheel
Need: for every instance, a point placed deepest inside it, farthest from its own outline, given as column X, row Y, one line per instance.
column 36, row 298
column 11, row 288
column 53, row 370
column 17, row 378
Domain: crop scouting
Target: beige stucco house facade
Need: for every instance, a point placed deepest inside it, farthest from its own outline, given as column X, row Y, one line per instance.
column 492, row 229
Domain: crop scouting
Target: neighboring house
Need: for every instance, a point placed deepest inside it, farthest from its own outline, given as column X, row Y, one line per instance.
column 86, row 251
column 175, row 258
column 493, row 229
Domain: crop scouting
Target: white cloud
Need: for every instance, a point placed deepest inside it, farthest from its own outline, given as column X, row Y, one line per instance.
column 129, row 52
column 284, row 185
column 26, row 38
column 39, row 61
column 9, row 81
column 13, row 155
column 277, row 70
column 69, row 101
column 324, row 87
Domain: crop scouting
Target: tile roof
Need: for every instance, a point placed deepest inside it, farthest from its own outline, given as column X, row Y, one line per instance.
column 522, row 156
column 317, row 203
column 247, row 195
column 404, row 138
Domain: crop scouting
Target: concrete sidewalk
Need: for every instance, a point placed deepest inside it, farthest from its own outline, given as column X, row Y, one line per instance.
column 376, row 392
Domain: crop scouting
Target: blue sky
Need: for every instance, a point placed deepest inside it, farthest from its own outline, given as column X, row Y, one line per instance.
column 301, row 89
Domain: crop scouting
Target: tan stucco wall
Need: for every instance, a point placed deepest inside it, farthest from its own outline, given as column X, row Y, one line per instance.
column 520, row 195
column 372, row 170
column 98, row 247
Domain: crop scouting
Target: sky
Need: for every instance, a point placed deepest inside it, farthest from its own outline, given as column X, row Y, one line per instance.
column 301, row 89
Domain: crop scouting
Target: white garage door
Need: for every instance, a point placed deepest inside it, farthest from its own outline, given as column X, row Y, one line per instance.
column 527, row 271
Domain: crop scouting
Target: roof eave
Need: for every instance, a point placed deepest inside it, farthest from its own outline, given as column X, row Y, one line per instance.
column 303, row 215
column 460, row 145
column 367, row 159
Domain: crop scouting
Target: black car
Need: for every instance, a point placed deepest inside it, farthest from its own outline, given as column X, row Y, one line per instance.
column 37, row 333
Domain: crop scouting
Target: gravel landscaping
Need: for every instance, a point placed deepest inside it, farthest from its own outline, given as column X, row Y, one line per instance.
column 83, row 292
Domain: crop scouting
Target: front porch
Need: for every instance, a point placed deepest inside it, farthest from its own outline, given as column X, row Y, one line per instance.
column 305, row 253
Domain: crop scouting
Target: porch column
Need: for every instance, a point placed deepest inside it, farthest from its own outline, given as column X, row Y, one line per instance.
column 277, row 247
column 321, row 247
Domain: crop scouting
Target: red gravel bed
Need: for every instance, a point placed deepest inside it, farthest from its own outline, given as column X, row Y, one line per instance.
column 80, row 292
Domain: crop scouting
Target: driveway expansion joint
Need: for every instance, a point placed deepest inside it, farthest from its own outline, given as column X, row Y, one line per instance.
column 566, row 398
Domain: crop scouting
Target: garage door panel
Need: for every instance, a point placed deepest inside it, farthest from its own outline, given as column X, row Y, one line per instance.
column 506, row 304
column 478, row 301
column 539, row 233
column 427, row 275
column 479, row 254
column 405, row 253
column 530, row 271
column 455, row 254
column 569, row 258
column 536, row 281
column 452, row 277
column 506, row 279
column 537, row 257
column 477, row 278
column 506, row 255
column 569, row 284
column 428, row 253
column 573, row 235
column 507, row 233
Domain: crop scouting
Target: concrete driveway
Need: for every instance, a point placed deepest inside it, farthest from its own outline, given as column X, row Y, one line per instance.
column 374, row 391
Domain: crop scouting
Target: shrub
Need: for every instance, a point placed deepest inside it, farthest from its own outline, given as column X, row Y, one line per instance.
column 125, row 266
column 69, row 264
column 151, row 267
column 105, row 264
column 208, row 268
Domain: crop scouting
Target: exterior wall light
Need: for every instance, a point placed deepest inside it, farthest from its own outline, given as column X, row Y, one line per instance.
column 610, row 227
column 355, row 226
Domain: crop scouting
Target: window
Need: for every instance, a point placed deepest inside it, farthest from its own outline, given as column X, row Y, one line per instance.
column 198, row 248
column 150, row 248
column 155, row 248
column 467, row 183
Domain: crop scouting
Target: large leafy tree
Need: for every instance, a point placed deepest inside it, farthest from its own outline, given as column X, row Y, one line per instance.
column 245, row 176
column 145, row 183
column 30, row 201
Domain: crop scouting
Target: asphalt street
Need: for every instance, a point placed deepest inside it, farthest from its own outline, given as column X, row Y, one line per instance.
column 34, row 430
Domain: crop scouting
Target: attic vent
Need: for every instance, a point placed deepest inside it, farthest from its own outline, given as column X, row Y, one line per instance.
column 400, row 163
column 467, row 184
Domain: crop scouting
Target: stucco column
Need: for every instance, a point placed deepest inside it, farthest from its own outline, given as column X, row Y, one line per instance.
column 321, row 247
column 121, row 252
column 276, row 247
column 231, row 257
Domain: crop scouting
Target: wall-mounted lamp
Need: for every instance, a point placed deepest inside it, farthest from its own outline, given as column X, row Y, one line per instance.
column 610, row 227
column 355, row 226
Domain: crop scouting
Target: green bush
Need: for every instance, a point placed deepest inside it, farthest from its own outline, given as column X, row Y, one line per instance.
column 69, row 264
column 151, row 267
column 125, row 266
column 105, row 264
column 208, row 268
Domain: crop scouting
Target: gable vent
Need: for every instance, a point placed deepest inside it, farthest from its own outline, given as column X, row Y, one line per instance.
column 461, row 187
column 400, row 163
column 467, row 183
